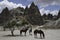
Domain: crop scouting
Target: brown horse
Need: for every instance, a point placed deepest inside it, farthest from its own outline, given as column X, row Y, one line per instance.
column 39, row 32
column 24, row 30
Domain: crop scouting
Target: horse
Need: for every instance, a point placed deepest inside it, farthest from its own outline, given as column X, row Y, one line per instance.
column 24, row 30
column 36, row 31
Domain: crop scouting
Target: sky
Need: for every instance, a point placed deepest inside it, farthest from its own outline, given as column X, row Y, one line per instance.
column 45, row 6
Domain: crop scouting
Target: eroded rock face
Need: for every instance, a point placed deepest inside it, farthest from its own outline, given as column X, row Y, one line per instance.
column 34, row 16
column 53, row 24
column 5, row 15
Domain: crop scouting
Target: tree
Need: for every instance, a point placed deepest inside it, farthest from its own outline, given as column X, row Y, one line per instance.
column 24, row 23
column 18, row 25
column 11, row 25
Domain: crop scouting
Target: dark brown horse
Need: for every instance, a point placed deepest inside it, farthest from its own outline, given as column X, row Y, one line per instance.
column 42, row 35
column 24, row 30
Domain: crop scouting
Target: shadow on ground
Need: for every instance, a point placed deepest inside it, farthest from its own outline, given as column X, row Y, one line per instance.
column 13, row 36
column 38, row 38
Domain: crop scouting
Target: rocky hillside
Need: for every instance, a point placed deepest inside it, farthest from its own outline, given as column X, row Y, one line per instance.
column 17, row 11
column 33, row 15
column 53, row 24
column 5, row 16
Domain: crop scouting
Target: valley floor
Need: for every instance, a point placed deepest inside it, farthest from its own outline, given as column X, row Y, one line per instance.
column 49, row 35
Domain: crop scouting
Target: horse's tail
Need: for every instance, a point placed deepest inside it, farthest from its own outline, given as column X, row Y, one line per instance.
column 43, row 35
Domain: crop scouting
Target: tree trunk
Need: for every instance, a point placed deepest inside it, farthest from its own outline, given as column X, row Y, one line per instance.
column 12, row 32
column 3, row 29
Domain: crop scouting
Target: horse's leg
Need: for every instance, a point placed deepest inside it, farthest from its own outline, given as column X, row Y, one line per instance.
column 43, row 35
column 30, row 31
column 20, row 33
column 25, row 33
column 40, row 35
column 35, row 35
